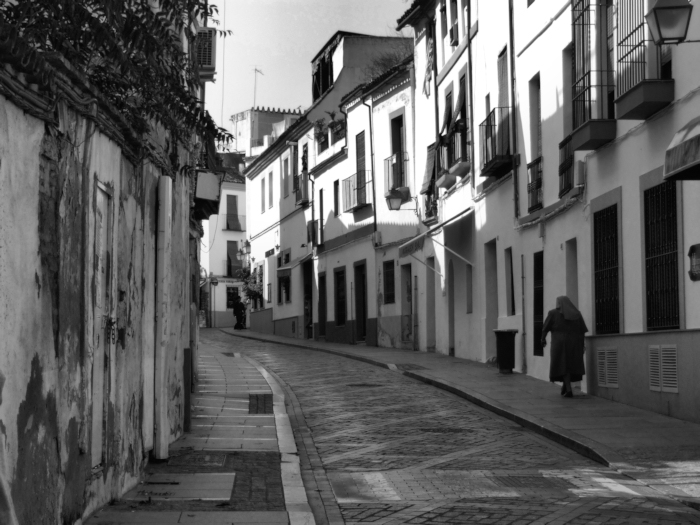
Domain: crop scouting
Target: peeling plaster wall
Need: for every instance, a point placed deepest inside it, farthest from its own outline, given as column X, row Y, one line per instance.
column 47, row 298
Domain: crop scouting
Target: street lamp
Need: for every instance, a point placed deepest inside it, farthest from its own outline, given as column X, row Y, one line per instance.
column 213, row 281
column 394, row 199
column 668, row 21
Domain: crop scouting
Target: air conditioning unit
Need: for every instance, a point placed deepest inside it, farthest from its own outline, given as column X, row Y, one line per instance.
column 206, row 51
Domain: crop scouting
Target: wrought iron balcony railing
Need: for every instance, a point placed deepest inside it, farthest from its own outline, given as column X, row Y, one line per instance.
column 494, row 131
column 300, row 186
column 431, row 203
column 396, row 171
column 534, row 187
column 357, row 191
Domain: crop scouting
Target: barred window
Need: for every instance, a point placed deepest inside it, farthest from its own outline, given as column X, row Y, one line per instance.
column 538, row 302
column 606, row 271
column 661, row 253
column 389, row 282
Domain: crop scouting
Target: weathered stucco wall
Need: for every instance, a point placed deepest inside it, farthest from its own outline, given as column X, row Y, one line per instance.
column 49, row 283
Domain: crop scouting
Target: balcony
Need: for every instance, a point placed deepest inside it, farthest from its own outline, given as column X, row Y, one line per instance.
column 322, row 142
column 357, row 193
column 641, row 91
column 534, row 187
column 590, row 107
column 337, row 131
column 256, row 143
column 454, row 34
column 566, row 166
column 231, row 268
column 496, row 156
column 454, row 157
column 300, row 185
column 395, row 172
column 235, row 222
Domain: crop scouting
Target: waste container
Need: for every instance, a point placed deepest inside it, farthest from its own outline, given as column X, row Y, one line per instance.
column 505, row 350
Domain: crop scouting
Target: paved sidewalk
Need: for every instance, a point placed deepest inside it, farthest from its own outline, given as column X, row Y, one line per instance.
column 239, row 464
column 658, row 451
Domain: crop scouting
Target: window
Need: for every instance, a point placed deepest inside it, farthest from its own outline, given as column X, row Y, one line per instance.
column 360, row 182
column 534, row 168
column 606, row 271
column 340, row 298
column 270, row 188
column 336, row 197
column 262, row 194
column 396, row 164
column 322, row 304
column 284, row 289
column 305, row 158
column 389, row 283
column 231, row 294
column 661, row 254
column 285, row 177
column 233, row 265
column 321, row 217
column 510, row 285
column 233, row 219
column 538, row 302
column 269, row 292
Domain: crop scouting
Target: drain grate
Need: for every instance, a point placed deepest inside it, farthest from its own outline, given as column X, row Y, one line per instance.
column 260, row 404
column 229, row 354
column 364, row 385
column 531, row 482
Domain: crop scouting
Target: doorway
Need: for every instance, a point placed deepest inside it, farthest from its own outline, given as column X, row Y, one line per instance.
column 360, row 302
column 308, row 302
column 103, row 329
column 322, row 305
column 490, row 298
column 451, row 305
column 431, row 341
column 406, row 304
column 572, row 271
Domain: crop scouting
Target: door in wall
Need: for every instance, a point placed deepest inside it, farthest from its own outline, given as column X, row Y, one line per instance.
column 360, row 302
column 103, row 329
column 308, row 302
column 322, row 305
column 406, row 304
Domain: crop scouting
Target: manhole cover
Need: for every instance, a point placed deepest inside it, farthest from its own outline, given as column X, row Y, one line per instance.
column 202, row 460
column 409, row 366
column 363, row 385
column 444, row 430
column 531, row 482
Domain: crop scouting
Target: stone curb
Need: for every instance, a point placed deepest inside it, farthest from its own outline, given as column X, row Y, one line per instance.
column 584, row 446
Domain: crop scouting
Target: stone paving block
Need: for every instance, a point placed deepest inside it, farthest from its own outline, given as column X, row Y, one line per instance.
column 235, row 517
column 107, row 517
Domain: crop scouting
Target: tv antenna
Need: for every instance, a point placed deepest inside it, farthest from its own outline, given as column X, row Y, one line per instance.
column 255, row 83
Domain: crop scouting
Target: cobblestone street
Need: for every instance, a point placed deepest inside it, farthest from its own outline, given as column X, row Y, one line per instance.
column 379, row 447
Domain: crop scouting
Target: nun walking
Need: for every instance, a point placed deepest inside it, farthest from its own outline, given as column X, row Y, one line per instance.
column 567, row 326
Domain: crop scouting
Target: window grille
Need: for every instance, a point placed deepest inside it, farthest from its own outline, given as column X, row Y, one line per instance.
column 631, row 45
column 566, row 166
column 356, row 191
column 606, row 271
column 581, row 65
column 389, row 282
column 538, row 302
column 534, row 187
column 340, row 299
column 322, row 305
column 661, row 247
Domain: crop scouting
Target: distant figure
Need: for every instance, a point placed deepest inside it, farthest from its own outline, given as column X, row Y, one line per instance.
column 238, row 313
column 568, row 327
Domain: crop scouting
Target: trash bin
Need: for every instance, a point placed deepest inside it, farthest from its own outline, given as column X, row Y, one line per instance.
column 505, row 350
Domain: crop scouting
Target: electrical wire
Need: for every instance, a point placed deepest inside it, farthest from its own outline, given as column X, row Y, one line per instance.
column 213, row 238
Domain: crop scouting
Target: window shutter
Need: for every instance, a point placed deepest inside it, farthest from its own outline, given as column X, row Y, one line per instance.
column 655, row 369
column 669, row 368
column 611, row 367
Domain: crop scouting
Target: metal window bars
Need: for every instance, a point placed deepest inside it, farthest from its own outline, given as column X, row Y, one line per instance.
column 566, row 166
column 661, row 254
column 396, row 171
column 357, row 191
column 606, row 271
column 633, row 48
column 430, row 203
column 534, row 187
column 337, row 131
column 322, row 142
column 300, row 186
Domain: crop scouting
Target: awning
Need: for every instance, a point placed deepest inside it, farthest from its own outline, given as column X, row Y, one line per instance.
column 683, row 154
column 286, row 270
column 429, row 169
column 415, row 244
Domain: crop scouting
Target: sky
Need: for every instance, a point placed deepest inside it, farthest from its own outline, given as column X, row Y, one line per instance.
column 280, row 37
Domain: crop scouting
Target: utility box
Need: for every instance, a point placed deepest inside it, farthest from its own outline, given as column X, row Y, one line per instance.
column 505, row 350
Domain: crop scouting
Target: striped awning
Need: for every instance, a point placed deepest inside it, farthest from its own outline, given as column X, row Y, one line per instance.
column 429, row 169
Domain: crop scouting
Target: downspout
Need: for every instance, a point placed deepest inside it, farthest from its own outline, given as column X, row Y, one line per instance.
column 522, row 320
column 516, row 189
column 371, row 150
column 433, row 30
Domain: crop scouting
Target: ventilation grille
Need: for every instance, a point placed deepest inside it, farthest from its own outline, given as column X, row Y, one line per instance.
column 206, row 50
column 607, row 367
column 663, row 368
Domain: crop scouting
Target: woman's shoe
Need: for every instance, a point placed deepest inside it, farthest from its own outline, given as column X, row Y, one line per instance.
column 569, row 394
column 563, row 389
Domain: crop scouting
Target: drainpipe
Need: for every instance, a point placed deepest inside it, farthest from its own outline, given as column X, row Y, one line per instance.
column 371, row 149
column 433, row 30
column 471, row 94
column 522, row 316
column 516, row 189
